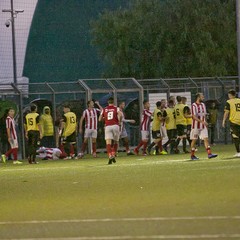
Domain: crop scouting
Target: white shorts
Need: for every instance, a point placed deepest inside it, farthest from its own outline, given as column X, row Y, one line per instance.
column 201, row 133
column 14, row 143
column 145, row 135
column 123, row 133
column 112, row 132
column 90, row 133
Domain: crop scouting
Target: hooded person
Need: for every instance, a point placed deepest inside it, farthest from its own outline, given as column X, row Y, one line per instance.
column 47, row 125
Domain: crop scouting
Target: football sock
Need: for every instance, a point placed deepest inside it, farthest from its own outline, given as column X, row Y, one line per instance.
column 160, row 145
column 192, row 151
column 139, row 145
column 151, row 145
column 184, row 144
column 84, row 145
column 94, row 147
column 208, row 150
column 236, row 143
column 15, row 152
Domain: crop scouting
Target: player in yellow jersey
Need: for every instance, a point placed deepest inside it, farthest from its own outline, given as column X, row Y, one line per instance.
column 156, row 124
column 170, row 119
column 181, row 123
column 68, row 129
column 187, row 114
column 33, row 133
column 232, row 110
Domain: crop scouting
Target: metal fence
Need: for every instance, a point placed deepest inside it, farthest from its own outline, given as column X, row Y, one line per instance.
column 132, row 91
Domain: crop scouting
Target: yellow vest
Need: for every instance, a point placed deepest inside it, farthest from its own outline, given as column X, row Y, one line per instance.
column 46, row 122
column 156, row 121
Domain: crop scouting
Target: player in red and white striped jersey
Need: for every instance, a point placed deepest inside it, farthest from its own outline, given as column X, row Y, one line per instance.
column 145, row 124
column 90, row 115
column 49, row 153
column 199, row 126
column 12, row 137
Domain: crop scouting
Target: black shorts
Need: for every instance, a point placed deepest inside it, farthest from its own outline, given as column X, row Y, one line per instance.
column 172, row 134
column 181, row 130
column 33, row 138
column 70, row 139
column 235, row 130
column 156, row 134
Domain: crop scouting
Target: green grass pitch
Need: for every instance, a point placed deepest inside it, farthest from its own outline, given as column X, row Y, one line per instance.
column 139, row 197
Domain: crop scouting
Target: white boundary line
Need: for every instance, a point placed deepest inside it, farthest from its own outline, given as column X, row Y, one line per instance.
column 200, row 236
column 127, row 164
column 122, row 220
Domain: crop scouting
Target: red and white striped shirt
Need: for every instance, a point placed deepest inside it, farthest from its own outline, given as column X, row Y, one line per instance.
column 199, row 110
column 146, row 117
column 10, row 123
column 91, row 118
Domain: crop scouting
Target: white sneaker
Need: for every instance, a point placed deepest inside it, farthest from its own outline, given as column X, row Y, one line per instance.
column 236, row 155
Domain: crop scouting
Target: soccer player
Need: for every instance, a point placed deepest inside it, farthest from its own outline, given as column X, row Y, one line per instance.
column 156, row 125
column 199, row 126
column 123, row 134
column 232, row 110
column 68, row 129
column 90, row 115
column 49, row 153
column 181, row 123
column 169, row 115
column 112, row 117
column 188, row 116
column 33, row 133
column 145, row 124
column 12, row 137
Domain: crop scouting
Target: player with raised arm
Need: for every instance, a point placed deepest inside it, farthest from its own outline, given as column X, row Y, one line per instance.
column 112, row 117
column 90, row 115
column 199, row 126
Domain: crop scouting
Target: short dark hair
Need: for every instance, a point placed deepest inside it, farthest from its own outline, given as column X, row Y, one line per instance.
column 33, row 107
column 179, row 98
column 232, row 92
column 170, row 102
column 111, row 100
column 66, row 105
column 158, row 103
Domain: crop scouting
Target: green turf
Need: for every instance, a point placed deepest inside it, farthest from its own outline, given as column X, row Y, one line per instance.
column 152, row 197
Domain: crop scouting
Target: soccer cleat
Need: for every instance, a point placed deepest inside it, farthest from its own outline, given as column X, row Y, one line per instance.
column 136, row 151
column 212, row 155
column 163, row 152
column 237, row 155
column 4, row 158
column 17, row 162
column 194, row 157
